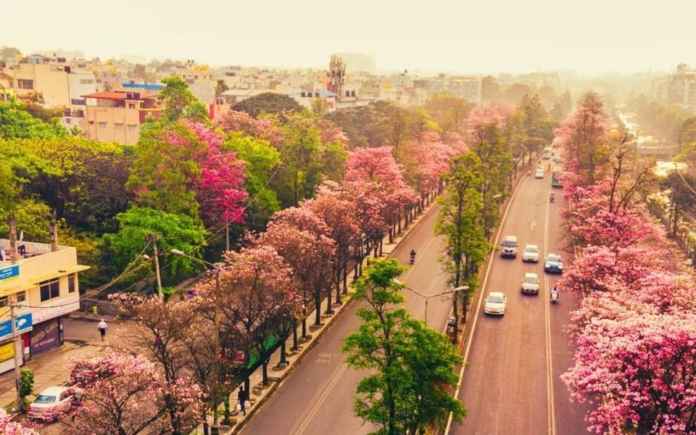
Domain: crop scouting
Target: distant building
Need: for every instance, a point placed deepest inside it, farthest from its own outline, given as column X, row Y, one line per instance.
column 359, row 62
column 79, row 84
column 468, row 88
column 678, row 88
column 42, row 283
column 116, row 116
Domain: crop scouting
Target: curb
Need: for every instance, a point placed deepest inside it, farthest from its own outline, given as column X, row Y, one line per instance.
column 318, row 334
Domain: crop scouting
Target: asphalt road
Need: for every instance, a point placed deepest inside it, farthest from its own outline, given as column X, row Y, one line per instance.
column 512, row 383
column 317, row 398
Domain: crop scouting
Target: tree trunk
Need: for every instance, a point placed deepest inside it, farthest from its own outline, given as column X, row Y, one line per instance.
column 317, row 305
column 283, row 353
column 264, row 372
column 329, row 308
column 304, row 327
column 345, row 281
column 295, row 346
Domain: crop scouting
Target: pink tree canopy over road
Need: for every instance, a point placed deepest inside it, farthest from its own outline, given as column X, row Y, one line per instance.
column 635, row 329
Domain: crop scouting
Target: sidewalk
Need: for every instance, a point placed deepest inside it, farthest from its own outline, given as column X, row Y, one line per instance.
column 53, row 367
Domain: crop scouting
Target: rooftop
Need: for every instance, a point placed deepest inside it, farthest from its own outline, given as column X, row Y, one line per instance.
column 120, row 95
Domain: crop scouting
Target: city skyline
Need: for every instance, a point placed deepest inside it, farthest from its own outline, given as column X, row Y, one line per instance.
column 540, row 35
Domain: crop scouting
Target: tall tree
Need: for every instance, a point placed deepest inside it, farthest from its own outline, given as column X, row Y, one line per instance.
column 460, row 221
column 268, row 103
column 179, row 102
column 410, row 365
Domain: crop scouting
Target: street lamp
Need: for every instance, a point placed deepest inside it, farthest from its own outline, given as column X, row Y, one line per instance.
column 427, row 298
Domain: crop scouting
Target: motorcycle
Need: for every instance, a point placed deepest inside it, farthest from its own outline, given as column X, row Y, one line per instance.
column 554, row 297
column 413, row 257
column 552, row 197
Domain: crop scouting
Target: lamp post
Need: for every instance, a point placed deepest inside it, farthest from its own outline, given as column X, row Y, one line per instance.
column 427, row 298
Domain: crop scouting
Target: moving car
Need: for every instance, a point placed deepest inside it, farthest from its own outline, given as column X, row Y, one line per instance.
column 553, row 264
column 555, row 181
column 539, row 173
column 495, row 304
column 531, row 254
column 508, row 248
column 530, row 283
column 53, row 401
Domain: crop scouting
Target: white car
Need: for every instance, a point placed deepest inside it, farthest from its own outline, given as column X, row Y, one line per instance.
column 52, row 402
column 495, row 304
column 531, row 254
column 539, row 173
column 530, row 283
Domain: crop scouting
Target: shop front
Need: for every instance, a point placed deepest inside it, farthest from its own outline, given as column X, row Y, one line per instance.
column 8, row 347
column 46, row 335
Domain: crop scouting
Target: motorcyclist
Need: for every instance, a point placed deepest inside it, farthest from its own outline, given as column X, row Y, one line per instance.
column 552, row 197
column 554, row 294
column 413, row 256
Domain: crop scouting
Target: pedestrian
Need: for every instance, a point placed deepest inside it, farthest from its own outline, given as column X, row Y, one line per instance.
column 102, row 329
column 242, row 397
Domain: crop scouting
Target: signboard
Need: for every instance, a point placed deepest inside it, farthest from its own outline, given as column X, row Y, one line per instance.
column 45, row 336
column 22, row 324
column 8, row 272
column 7, row 351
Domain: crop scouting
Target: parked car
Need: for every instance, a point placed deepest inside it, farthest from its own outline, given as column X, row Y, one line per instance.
column 530, row 283
column 508, row 247
column 495, row 304
column 553, row 264
column 539, row 173
column 531, row 254
column 53, row 401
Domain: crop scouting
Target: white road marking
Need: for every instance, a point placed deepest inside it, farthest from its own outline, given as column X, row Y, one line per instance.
column 477, row 313
column 304, row 423
column 547, row 326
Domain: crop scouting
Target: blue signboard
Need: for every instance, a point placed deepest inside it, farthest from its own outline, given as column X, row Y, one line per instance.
column 9, row 271
column 22, row 323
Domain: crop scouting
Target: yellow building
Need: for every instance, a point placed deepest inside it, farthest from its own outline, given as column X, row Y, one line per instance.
column 42, row 284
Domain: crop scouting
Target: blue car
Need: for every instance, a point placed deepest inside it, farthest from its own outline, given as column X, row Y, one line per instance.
column 553, row 264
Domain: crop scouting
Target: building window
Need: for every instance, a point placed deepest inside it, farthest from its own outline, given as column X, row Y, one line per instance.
column 72, row 281
column 102, row 125
column 4, row 301
column 25, row 84
column 86, row 81
column 49, row 290
column 21, row 297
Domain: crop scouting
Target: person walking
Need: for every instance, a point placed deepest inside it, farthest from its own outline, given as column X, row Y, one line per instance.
column 102, row 329
column 242, row 397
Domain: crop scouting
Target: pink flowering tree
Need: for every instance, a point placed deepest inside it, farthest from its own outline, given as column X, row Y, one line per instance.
column 639, row 373
column 482, row 119
column 221, row 191
column 260, row 128
column 9, row 427
column 378, row 166
column 126, row 394
column 332, row 206
column 310, row 255
column 255, row 298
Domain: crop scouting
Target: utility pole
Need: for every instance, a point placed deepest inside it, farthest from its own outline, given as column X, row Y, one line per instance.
column 153, row 240
column 15, row 337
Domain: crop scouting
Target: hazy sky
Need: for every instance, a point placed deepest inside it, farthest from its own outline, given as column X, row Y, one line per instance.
column 433, row 35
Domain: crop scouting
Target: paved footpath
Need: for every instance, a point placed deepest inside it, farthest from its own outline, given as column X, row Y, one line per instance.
column 53, row 367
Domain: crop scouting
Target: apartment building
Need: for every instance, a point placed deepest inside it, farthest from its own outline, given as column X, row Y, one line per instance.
column 116, row 116
column 41, row 281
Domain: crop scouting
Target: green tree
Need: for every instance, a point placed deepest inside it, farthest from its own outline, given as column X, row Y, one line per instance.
column 179, row 102
column 165, row 168
column 497, row 163
column 410, row 365
column 448, row 111
column 460, row 222
column 269, row 103
column 305, row 160
column 173, row 231
column 261, row 160
column 16, row 122
column 26, row 387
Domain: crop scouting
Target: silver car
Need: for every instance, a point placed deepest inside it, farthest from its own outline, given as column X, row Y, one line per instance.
column 530, row 283
column 495, row 304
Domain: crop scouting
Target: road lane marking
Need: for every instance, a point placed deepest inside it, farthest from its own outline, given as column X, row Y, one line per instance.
column 335, row 377
column 551, row 417
column 312, row 412
column 477, row 313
